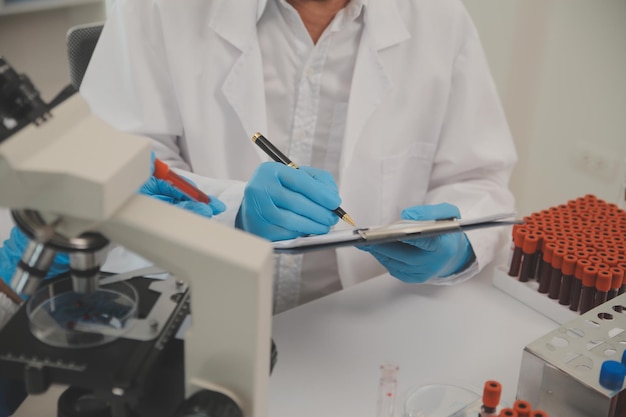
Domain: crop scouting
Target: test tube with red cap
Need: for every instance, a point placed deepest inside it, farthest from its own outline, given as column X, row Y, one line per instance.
column 577, row 283
column 163, row 171
column 522, row 408
column 556, row 273
column 569, row 265
column 588, row 289
column 516, row 258
column 507, row 412
column 617, row 279
column 546, row 271
column 529, row 249
column 491, row 398
column 603, row 285
column 622, row 289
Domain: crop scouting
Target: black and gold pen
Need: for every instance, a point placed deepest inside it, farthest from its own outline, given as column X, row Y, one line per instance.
column 274, row 153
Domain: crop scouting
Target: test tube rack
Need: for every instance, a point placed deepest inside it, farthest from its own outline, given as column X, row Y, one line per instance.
column 560, row 370
column 565, row 258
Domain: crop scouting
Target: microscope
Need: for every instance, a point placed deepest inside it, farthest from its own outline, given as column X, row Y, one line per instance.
column 71, row 182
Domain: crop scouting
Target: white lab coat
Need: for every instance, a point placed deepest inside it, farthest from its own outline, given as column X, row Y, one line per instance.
column 424, row 121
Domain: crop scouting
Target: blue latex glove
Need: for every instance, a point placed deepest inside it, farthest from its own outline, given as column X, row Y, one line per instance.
column 11, row 253
column 281, row 203
column 419, row 260
column 164, row 191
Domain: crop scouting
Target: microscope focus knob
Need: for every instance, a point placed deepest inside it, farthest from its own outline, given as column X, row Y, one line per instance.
column 209, row 404
column 36, row 379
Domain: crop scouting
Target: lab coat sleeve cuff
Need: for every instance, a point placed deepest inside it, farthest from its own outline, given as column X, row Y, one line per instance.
column 229, row 192
column 459, row 277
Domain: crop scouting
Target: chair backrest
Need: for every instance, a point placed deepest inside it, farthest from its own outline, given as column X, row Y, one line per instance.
column 81, row 42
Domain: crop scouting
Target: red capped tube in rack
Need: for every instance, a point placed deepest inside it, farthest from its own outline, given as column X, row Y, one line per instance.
column 546, row 272
column 568, row 267
column 522, row 408
column 617, row 280
column 603, row 285
column 588, row 289
column 577, row 283
column 555, row 275
column 529, row 249
column 518, row 241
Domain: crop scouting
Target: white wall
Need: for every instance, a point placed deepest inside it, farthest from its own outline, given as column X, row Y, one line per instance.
column 560, row 67
column 34, row 43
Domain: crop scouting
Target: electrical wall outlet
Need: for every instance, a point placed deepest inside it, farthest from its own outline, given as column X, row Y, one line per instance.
column 596, row 162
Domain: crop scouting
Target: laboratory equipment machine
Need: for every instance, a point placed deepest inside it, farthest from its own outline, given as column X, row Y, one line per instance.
column 71, row 181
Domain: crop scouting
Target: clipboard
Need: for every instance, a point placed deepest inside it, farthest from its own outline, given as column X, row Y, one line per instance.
column 401, row 230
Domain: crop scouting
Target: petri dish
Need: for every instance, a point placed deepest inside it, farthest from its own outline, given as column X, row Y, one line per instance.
column 61, row 317
column 442, row 400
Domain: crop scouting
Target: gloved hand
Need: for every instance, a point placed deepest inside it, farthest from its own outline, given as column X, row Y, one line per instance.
column 164, row 191
column 281, row 203
column 11, row 253
column 419, row 260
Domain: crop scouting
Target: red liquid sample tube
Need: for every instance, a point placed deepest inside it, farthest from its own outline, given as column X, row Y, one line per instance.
column 544, row 278
column 588, row 289
column 529, row 248
column 569, row 265
column 577, row 283
column 556, row 273
column 516, row 259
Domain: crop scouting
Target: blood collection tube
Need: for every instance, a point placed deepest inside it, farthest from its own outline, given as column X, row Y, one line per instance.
column 555, row 274
column 589, row 285
column 565, row 293
column 536, row 257
column 491, row 398
column 622, row 289
column 577, row 283
column 617, row 279
column 541, row 263
column 529, row 248
column 507, row 412
column 516, row 260
column 522, row 408
column 538, row 413
column 544, row 278
column 603, row 285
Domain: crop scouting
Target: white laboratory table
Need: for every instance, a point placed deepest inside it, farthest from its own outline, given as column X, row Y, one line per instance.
column 330, row 350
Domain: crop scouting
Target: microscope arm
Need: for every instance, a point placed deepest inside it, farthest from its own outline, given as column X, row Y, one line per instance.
column 227, row 347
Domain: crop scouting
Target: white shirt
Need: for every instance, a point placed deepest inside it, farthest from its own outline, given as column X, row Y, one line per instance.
column 307, row 87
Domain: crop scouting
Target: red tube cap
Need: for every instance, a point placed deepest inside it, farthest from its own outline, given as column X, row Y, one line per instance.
column 491, row 394
column 617, row 277
column 589, row 276
column 569, row 264
column 531, row 241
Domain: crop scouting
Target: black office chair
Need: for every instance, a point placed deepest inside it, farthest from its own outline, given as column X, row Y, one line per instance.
column 81, row 42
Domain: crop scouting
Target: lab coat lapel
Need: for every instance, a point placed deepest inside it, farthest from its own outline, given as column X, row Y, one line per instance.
column 383, row 29
column 244, row 86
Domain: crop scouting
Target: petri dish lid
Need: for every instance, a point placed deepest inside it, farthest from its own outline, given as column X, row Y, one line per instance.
column 61, row 317
column 441, row 400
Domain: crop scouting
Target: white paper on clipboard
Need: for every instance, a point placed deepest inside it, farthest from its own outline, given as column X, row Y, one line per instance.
column 400, row 230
